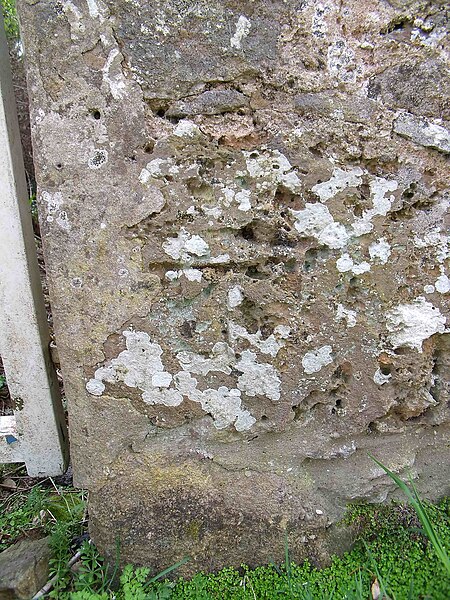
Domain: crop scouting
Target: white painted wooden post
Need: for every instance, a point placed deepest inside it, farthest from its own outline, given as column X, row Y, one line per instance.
column 36, row 434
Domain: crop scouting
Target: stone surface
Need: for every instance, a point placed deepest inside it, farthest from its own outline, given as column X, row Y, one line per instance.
column 24, row 569
column 248, row 263
column 422, row 132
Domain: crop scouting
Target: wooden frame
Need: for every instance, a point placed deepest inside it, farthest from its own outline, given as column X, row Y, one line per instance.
column 36, row 434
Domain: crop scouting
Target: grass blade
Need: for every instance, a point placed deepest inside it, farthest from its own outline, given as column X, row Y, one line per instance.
column 421, row 512
column 169, row 569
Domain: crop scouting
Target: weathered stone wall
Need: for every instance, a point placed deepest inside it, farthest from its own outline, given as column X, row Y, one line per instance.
column 243, row 210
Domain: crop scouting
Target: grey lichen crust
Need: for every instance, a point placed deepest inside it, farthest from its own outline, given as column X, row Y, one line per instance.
column 243, row 208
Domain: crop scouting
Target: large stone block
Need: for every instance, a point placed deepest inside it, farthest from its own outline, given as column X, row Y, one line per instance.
column 247, row 256
column 24, row 569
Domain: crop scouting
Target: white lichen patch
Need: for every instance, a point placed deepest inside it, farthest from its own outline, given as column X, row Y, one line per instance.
column 429, row 289
column 235, row 297
column 361, row 227
column 270, row 168
column 162, row 379
column 172, row 275
column 53, row 204
column 436, row 240
column 157, row 169
column 319, row 25
column 185, row 246
column 345, row 263
column 242, row 30
column 241, row 197
column 113, row 75
column 442, row 284
column 380, row 251
column 190, row 274
column 94, row 9
column 339, row 181
column 74, row 17
column 221, row 259
column 381, row 204
column 166, row 397
column 346, row 314
column 341, row 61
column 258, row 378
column 316, row 221
column 186, row 128
column 316, row 359
column 410, row 324
column 225, row 407
column 96, row 387
column 212, row 211
column 271, row 345
column 140, row 366
column 134, row 366
column 193, row 274
column 422, row 131
column 380, row 379
column 98, row 158
column 221, row 360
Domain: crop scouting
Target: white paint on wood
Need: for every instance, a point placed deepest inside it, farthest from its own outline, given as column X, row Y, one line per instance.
column 8, row 425
column 24, row 338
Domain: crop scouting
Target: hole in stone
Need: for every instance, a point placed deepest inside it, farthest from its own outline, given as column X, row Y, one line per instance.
column 344, row 373
column 281, row 238
column 160, row 113
column 352, row 203
column 187, row 329
column 264, row 417
column 284, row 197
column 402, row 351
column 59, row 165
column 96, row 114
column 398, row 26
column 148, row 148
column 247, row 232
column 338, row 403
column 395, row 25
column 290, row 265
column 410, row 191
column 386, row 369
column 254, row 273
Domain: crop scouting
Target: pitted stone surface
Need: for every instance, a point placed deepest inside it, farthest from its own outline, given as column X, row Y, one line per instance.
column 243, row 208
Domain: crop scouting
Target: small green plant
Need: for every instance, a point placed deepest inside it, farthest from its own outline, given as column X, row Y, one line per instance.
column 2, row 381
column 34, row 210
column 422, row 515
column 43, row 509
column 60, row 543
column 10, row 19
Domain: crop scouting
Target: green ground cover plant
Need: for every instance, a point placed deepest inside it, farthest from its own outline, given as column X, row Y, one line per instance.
column 400, row 553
